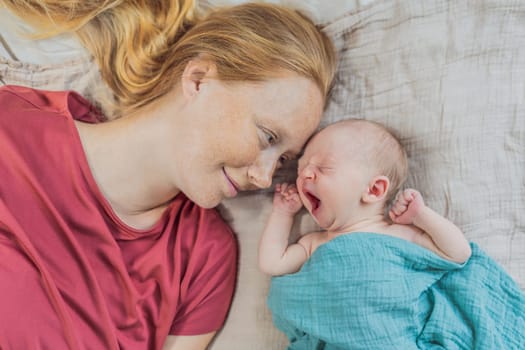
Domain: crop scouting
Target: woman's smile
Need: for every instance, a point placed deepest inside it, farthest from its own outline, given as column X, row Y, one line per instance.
column 234, row 188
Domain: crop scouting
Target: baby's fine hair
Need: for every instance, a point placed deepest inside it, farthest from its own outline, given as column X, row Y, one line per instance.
column 382, row 148
column 142, row 46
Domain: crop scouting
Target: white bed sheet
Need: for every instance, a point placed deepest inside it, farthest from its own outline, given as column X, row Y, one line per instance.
column 448, row 75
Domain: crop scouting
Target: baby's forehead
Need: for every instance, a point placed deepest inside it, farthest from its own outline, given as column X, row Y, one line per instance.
column 348, row 140
column 335, row 146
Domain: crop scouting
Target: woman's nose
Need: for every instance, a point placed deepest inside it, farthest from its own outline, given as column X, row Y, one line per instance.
column 261, row 172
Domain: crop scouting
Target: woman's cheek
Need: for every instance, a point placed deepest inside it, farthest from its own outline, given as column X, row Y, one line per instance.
column 242, row 153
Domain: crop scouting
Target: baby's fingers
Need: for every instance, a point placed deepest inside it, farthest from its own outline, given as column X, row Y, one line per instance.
column 392, row 215
column 288, row 189
column 282, row 188
column 292, row 189
column 410, row 195
column 400, row 198
column 398, row 209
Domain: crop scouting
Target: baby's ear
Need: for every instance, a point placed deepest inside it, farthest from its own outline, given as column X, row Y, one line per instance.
column 377, row 189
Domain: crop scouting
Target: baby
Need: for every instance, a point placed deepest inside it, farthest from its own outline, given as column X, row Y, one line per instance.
column 349, row 173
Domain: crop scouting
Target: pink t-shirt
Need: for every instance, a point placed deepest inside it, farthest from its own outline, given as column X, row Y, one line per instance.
column 74, row 276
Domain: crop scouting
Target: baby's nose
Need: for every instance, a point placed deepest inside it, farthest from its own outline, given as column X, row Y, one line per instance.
column 307, row 172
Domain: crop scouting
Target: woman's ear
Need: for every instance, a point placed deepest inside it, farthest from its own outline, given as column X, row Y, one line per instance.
column 194, row 74
column 377, row 189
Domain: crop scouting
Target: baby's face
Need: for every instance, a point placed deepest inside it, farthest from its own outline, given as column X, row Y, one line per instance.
column 332, row 177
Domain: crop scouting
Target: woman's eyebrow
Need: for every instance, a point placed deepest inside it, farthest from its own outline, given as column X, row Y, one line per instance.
column 283, row 134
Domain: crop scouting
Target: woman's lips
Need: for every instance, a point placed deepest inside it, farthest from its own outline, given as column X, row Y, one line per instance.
column 234, row 188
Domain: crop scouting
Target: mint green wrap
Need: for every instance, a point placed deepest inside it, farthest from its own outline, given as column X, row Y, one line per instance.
column 372, row 291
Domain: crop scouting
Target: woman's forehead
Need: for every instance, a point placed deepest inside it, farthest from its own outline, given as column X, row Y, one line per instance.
column 291, row 106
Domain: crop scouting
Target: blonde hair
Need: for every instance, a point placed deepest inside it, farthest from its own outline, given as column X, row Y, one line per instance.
column 142, row 47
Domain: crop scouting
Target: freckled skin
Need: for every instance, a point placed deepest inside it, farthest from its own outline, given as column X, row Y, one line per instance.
column 229, row 123
column 207, row 138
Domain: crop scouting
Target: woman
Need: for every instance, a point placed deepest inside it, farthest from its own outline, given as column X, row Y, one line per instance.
column 105, row 238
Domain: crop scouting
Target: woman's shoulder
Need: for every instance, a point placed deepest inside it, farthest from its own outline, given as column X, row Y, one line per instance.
column 17, row 100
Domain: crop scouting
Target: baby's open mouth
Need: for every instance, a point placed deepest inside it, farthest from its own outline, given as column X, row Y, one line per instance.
column 314, row 201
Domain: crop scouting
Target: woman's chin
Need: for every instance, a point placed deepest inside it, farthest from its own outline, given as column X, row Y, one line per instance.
column 206, row 202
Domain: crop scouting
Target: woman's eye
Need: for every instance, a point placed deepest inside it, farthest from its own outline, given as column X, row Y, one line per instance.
column 282, row 159
column 270, row 138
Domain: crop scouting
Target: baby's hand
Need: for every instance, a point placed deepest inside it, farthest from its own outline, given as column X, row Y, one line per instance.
column 286, row 198
column 407, row 206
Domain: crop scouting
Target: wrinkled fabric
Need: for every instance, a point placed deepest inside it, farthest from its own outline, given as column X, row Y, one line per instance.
column 72, row 274
column 373, row 291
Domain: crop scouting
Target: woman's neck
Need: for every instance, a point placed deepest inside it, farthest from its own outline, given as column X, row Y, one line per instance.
column 128, row 160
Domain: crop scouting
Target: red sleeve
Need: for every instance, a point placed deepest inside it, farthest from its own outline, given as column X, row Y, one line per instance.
column 209, row 284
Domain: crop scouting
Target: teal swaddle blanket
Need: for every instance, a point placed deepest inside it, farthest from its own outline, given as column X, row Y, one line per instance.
column 372, row 291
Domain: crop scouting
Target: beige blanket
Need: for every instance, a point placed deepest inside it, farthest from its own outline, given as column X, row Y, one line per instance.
column 449, row 76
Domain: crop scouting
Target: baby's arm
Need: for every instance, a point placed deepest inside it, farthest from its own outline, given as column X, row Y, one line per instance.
column 443, row 236
column 276, row 257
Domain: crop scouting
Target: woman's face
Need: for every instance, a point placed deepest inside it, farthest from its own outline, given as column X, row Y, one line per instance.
column 237, row 134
